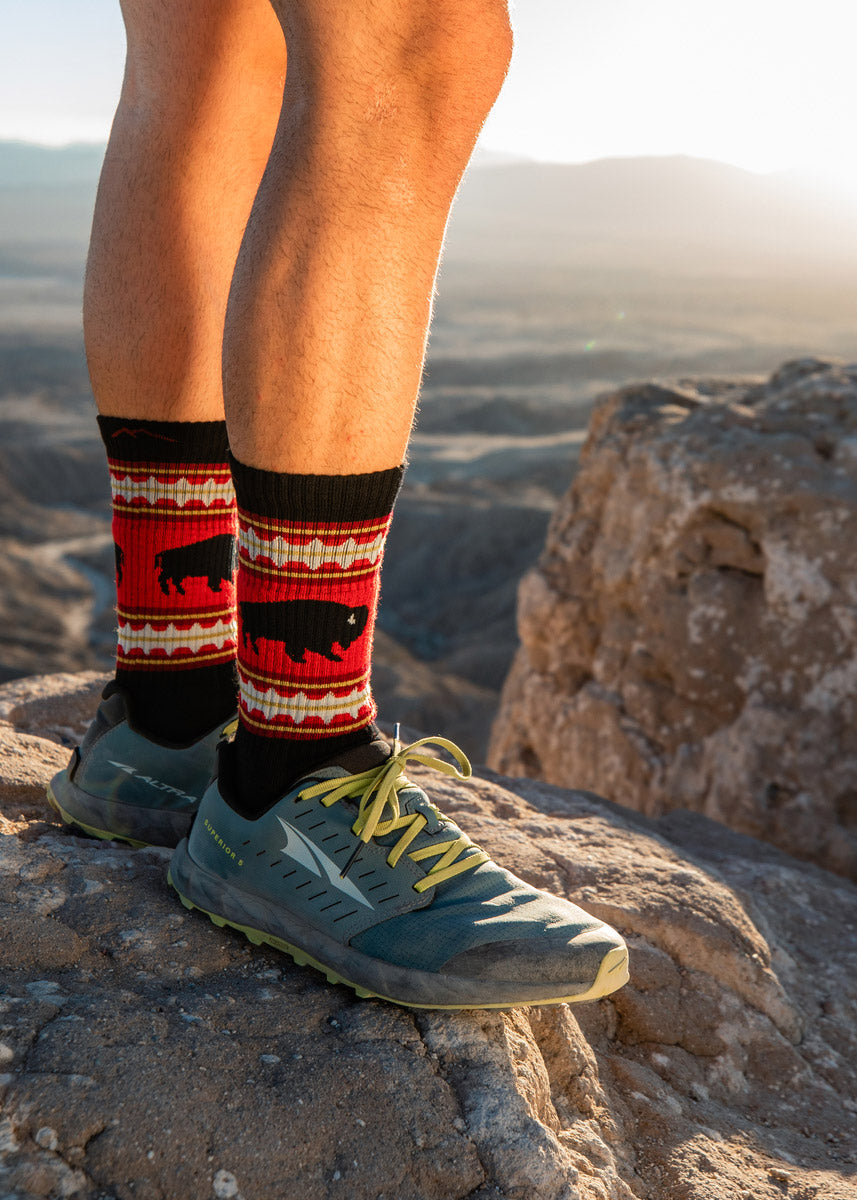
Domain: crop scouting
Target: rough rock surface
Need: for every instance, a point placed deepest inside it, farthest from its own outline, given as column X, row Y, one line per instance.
column 146, row 1054
column 689, row 638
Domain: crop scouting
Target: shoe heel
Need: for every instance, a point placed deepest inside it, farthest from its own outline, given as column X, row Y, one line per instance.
column 110, row 820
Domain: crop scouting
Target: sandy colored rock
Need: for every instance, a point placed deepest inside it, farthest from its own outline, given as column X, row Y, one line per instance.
column 689, row 637
column 41, row 718
column 145, row 1053
column 422, row 696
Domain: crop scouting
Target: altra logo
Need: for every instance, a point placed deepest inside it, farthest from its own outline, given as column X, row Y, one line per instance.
column 303, row 851
column 158, row 784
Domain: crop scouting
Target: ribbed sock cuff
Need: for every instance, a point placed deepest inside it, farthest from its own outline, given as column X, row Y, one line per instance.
column 325, row 498
column 264, row 769
column 131, row 440
column 177, row 707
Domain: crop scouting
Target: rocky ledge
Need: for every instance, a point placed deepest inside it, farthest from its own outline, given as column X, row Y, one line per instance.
column 147, row 1055
column 689, row 638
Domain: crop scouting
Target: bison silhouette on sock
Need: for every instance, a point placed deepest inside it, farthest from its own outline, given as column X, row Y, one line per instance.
column 119, row 555
column 302, row 625
column 213, row 557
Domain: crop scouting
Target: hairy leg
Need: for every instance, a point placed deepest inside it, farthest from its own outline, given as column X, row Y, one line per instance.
column 332, row 294
column 326, row 334
column 200, row 101
column 323, row 351
column 197, row 115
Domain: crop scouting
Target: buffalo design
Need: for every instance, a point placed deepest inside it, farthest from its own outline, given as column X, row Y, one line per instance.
column 214, row 558
column 303, row 625
column 119, row 554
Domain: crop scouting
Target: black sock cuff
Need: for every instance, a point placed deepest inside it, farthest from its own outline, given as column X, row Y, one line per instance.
column 131, row 440
column 177, row 707
column 323, row 498
column 255, row 772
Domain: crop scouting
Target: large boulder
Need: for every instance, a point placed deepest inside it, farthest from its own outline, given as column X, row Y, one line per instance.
column 147, row 1055
column 689, row 637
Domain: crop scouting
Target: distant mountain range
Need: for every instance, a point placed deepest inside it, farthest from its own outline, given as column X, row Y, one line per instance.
column 674, row 213
column 24, row 165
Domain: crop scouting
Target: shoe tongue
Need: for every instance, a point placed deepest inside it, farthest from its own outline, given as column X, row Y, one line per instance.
column 412, row 799
column 353, row 761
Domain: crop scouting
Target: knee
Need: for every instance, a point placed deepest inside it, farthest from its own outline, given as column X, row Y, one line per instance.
column 435, row 65
column 459, row 56
column 450, row 74
column 190, row 57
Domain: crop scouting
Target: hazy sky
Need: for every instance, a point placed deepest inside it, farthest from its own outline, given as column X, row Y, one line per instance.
column 766, row 84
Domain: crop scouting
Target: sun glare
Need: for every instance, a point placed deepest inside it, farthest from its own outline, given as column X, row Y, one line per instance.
column 765, row 84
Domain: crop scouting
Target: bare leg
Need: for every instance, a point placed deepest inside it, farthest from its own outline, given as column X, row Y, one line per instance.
column 326, row 331
column 331, row 299
column 199, row 106
column 200, row 101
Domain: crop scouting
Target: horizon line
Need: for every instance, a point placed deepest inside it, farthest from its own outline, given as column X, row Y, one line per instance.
column 800, row 172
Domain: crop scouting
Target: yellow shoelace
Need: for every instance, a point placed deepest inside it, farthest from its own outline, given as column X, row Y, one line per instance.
column 378, row 790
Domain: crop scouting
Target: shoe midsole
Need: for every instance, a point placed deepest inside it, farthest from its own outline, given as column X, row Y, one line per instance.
column 153, row 826
column 402, row 984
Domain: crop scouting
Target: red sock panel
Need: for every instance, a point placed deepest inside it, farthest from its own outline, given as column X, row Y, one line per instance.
column 174, row 529
column 310, row 551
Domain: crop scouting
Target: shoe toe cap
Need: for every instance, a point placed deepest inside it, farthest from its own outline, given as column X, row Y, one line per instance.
column 546, row 959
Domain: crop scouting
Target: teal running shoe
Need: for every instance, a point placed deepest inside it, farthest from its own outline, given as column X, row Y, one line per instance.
column 356, row 873
column 121, row 784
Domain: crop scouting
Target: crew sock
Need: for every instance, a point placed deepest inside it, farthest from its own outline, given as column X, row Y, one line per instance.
column 309, row 561
column 174, row 530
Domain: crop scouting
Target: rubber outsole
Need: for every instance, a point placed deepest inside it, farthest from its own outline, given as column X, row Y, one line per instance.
column 111, row 819
column 104, row 834
column 612, row 973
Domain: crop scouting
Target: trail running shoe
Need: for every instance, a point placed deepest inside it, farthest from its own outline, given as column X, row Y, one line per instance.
column 120, row 784
column 359, row 875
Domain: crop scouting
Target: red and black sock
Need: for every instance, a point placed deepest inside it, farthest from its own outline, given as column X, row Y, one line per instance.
column 309, row 561
column 174, row 529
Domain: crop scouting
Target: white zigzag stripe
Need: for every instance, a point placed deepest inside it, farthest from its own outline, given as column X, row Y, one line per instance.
column 302, row 706
column 180, row 492
column 171, row 639
column 314, row 554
